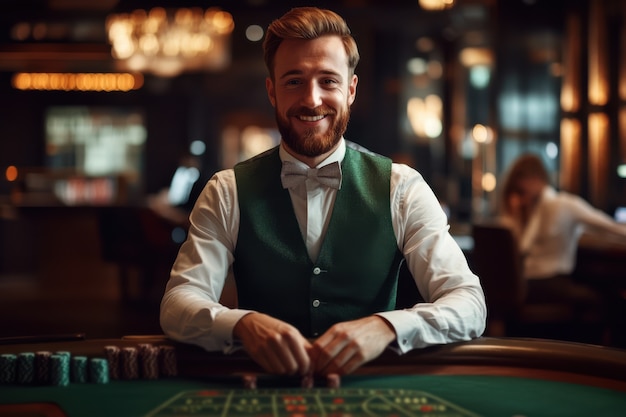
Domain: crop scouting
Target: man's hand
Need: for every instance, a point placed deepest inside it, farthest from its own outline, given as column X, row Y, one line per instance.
column 348, row 345
column 275, row 345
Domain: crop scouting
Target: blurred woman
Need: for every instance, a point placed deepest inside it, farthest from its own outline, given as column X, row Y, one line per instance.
column 547, row 225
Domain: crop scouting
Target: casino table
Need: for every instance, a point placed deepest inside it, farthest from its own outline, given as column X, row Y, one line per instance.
column 483, row 377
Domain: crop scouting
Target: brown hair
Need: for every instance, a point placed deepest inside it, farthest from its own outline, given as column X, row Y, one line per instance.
column 524, row 167
column 308, row 23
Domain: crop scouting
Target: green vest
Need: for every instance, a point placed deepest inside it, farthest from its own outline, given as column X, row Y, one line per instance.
column 357, row 268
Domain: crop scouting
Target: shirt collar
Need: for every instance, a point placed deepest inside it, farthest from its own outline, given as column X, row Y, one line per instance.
column 548, row 193
column 336, row 156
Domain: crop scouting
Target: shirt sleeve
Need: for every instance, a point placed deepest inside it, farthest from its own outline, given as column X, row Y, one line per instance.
column 594, row 221
column 190, row 308
column 454, row 308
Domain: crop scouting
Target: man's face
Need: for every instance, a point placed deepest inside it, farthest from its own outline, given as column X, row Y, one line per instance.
column 312, row 92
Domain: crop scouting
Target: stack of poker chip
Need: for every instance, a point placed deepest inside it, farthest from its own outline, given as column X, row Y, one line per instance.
column 149, row 360
column 25, row 368
column 112, row 354
column 308, row 381
column 61, row 368
column 129, row 363
column 42, row 367
column 145, row 361
column 8, row 368
column 333, row 381
column 249, row 381
column 47, row 368
column 168, row 363
column 78, row 369
column 99, row 370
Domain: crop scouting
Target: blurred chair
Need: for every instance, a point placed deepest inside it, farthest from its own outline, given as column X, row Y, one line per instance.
column 139, row 241
column 496, row 260
column 407, row 293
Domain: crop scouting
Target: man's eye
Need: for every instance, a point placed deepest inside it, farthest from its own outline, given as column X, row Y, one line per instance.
column 292, row 82
column 330, row 81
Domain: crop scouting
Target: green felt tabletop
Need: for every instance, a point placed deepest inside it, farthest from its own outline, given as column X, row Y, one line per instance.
column 472, row 395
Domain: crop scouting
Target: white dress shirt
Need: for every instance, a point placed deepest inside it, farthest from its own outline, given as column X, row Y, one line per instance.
column 549, row 242
column 454, row 309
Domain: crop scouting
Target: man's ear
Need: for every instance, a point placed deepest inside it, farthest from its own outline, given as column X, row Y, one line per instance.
column 271, row 92
column 352, row 89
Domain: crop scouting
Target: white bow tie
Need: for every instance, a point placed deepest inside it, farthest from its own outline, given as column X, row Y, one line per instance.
column 293, row 174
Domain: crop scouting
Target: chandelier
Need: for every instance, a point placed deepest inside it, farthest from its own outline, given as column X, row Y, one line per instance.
column 433, row 5
column 168, row 42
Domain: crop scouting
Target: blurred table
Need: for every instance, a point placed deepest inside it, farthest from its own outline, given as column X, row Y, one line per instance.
column 602, row 262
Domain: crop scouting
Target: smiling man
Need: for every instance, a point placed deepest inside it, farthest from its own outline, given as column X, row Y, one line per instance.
column 315, row 231
column 311, row 88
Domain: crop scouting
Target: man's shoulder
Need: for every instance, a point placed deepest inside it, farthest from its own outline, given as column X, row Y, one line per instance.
column 259, row 157
column 365, row 156
column 353, row 146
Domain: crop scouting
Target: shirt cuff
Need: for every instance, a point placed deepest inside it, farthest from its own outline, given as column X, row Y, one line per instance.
column 223, row 329
column 403, row 324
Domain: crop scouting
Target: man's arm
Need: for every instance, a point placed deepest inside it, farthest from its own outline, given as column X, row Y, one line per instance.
column 190, row 308
column 454, row 308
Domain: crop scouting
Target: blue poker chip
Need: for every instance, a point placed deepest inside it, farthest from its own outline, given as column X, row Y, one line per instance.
column 63, row 353
column 8, row 368
column 78, row 369
column 60, row 370
column 99, row 370
column 25, row 368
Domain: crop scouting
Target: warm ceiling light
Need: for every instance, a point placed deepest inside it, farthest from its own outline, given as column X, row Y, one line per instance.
column 436, row 4
column 168, row 42
column 77, row 81
column 471, row 57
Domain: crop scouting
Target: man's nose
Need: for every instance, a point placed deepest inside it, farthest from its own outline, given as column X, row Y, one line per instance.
column 312, row 95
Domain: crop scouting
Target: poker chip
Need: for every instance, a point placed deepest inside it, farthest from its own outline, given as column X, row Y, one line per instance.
column 149, row 360
column 78, row 369
column 63, row 353
column 249, row 381
column 141, row 347
column 42, row 367
column 25, row 367
column 333, row 381
column 99, row 370
column 168, row 364
column 129, row 363
column 308, row 381
column 8, row 368
column 112, row 354
column 60, row 370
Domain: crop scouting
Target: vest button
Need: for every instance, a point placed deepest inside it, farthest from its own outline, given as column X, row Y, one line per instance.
column 316, row 303
column 316, row 270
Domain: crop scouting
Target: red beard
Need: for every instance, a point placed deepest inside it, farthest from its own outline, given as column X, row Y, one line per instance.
column 312, row 143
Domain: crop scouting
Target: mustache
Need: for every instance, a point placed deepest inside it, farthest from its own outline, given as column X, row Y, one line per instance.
column 306, row 111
